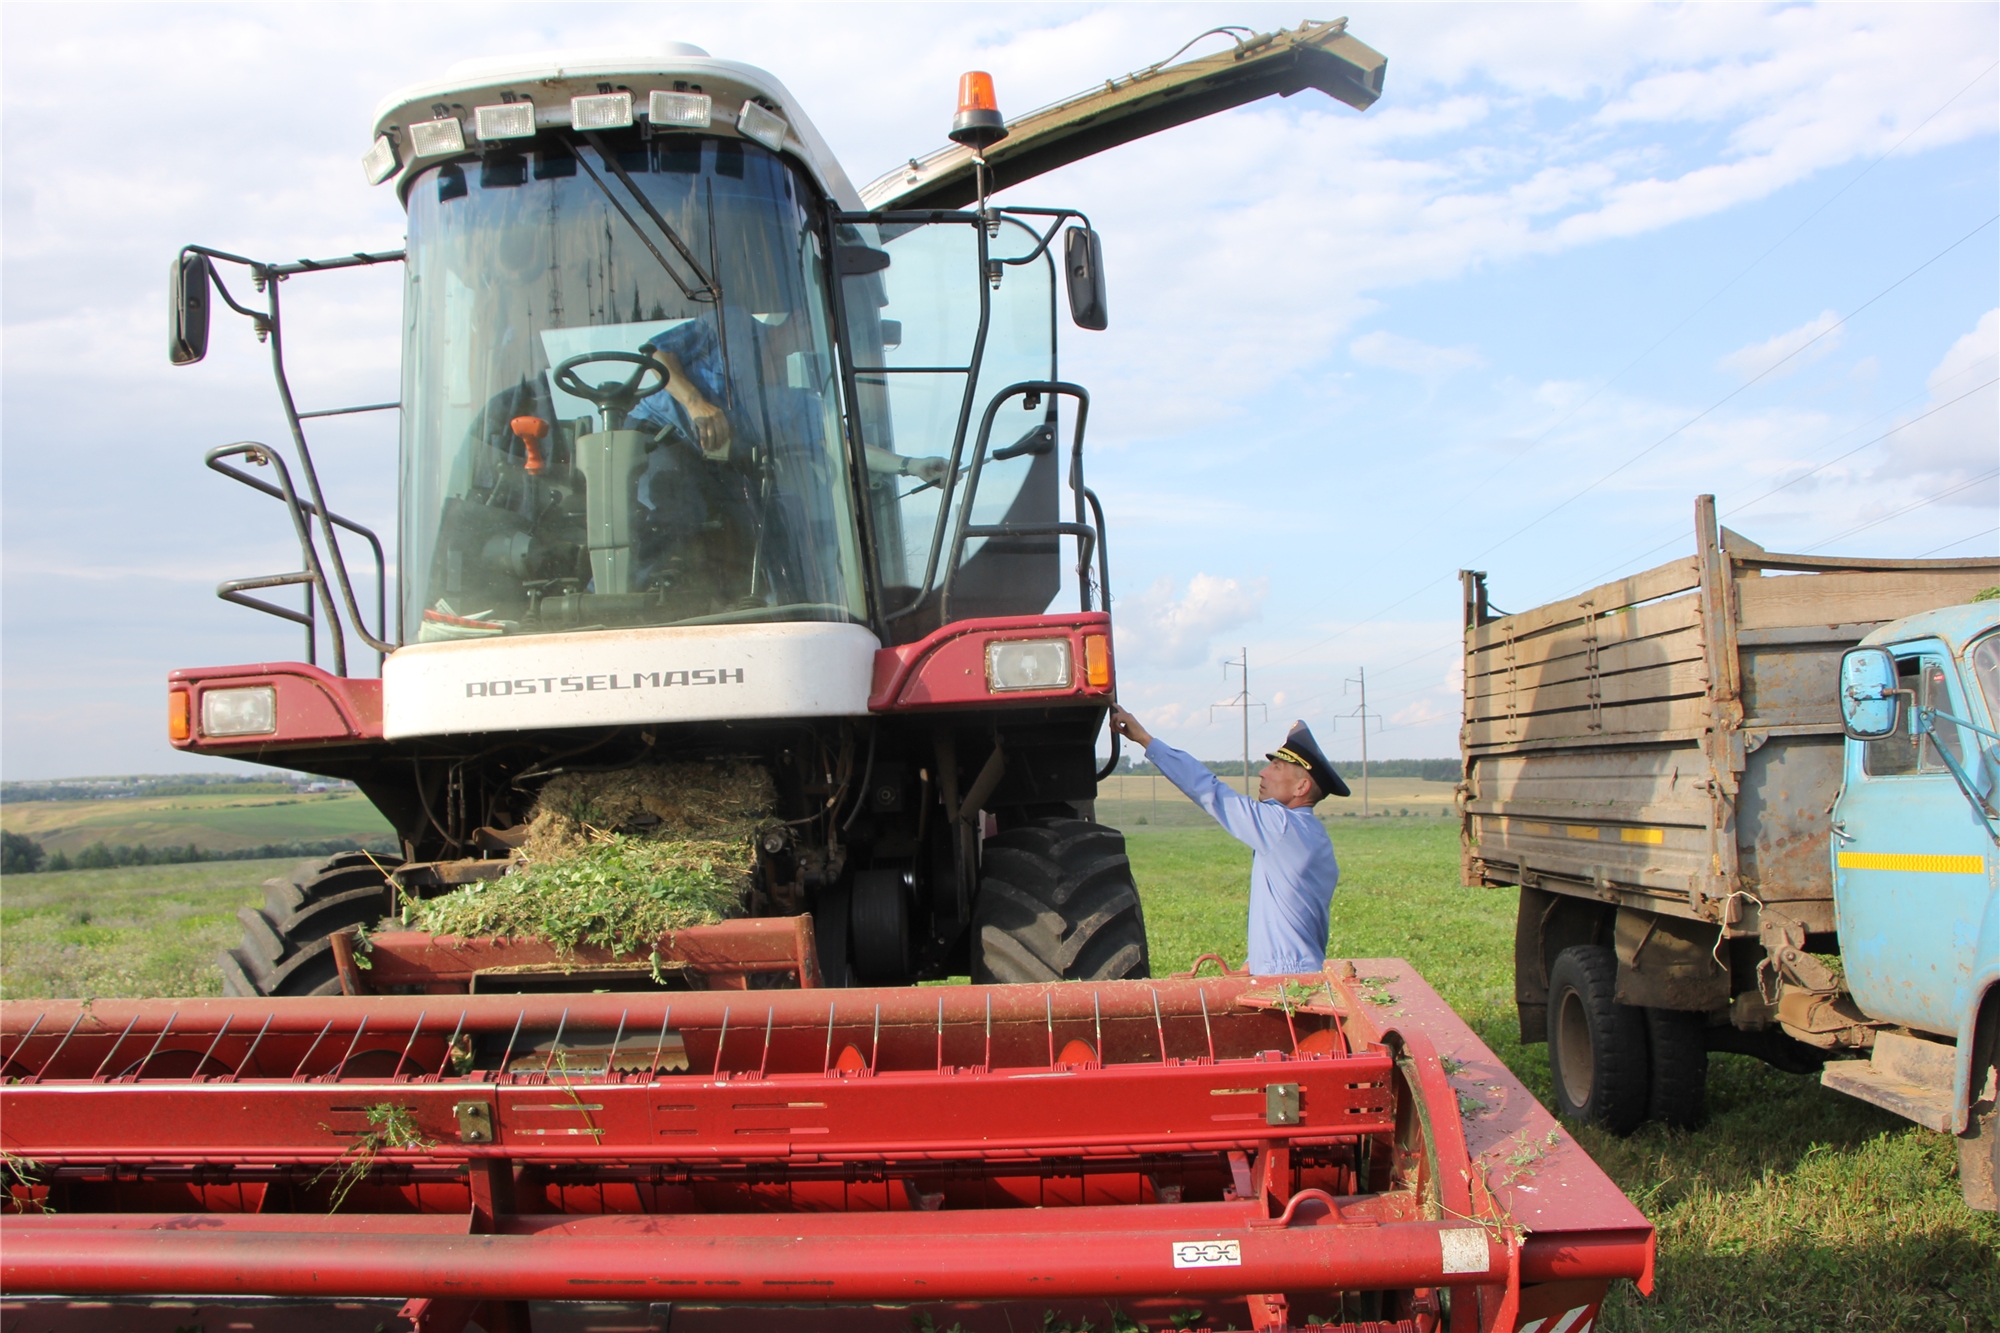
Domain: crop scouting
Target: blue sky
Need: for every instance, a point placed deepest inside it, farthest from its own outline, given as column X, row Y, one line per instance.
column 1552, row 270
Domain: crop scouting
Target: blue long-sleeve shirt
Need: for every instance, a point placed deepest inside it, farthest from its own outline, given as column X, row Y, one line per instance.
column 1292, row 870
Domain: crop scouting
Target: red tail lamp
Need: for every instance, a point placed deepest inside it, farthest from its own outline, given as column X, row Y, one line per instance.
column 978, row 124
column 531, row 431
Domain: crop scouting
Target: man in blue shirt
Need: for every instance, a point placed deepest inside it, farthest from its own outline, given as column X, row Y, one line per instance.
column 1292, row 870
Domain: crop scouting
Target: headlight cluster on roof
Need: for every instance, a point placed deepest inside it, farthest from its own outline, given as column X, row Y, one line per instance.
column 445, row 136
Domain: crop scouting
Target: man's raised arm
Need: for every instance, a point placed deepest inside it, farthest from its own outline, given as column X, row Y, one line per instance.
column 1237, row 813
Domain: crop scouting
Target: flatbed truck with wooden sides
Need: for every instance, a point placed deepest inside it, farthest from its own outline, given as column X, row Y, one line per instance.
column 1718, row 848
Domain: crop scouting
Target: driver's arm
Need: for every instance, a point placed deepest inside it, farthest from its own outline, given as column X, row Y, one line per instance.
column 930, row 470
column 711, row 425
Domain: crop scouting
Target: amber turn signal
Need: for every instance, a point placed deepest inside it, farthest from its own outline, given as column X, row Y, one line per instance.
column 977, row 124
column 1096, row 661
column 177, row 715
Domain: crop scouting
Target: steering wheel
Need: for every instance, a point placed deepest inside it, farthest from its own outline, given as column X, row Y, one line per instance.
column 612, row 398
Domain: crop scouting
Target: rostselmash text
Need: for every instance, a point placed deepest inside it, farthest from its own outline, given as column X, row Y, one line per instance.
column 637, row 680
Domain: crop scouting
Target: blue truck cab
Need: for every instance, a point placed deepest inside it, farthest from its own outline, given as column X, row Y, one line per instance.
column 1916, row 874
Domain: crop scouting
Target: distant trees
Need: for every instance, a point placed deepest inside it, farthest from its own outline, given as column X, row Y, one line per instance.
column 104, row 856
column 20, row 854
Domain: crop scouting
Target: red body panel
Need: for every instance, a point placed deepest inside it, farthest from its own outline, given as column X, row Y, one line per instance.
column 1028, row 1143
column 947, row 668
column 314, row 707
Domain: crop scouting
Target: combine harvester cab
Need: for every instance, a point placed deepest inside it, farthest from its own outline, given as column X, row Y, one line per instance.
column 1335, row 1150
column 725, row 1126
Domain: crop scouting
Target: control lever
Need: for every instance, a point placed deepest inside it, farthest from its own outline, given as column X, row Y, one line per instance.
column 531, row 431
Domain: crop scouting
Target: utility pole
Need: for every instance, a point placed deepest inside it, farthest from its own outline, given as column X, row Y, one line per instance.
column 1361, row 679
column 1243, row 702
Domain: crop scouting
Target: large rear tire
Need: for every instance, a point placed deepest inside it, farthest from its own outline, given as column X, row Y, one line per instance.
column 287, row 945
column 1597, row 1046
column 1057, row 903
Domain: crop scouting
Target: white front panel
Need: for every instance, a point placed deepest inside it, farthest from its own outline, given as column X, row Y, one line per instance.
column 694, row 673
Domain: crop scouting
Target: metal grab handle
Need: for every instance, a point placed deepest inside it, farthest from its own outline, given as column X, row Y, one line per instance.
column 314, row 574
column 1284, row 1219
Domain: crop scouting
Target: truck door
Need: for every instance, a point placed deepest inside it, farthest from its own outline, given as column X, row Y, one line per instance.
column 1912, row 862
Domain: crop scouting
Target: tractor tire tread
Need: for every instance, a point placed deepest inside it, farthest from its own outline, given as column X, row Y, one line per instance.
column 287, row 947
column 1057, row 902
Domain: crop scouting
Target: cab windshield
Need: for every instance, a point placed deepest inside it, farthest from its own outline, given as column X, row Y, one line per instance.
column 611, row 423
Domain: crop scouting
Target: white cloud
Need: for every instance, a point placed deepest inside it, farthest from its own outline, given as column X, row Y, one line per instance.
column 1392, row 351
column 1787, row 352
column 1168, row 631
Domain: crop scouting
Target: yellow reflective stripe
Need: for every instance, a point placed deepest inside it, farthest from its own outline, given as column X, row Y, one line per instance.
column 1917, row 861
column 1592, row 833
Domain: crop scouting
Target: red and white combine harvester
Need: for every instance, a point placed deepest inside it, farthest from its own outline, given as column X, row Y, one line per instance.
column 707, row 455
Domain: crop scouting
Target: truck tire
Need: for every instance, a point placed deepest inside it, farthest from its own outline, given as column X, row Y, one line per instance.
column 1057, row 903
column 1597, row 1047
column 1677, row 1049
column 287, row 944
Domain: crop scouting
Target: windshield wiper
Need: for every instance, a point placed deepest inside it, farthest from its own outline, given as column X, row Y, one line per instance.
column 708, row 291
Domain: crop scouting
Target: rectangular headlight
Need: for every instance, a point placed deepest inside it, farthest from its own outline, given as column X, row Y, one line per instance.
column 507, row 120
column 766, row 127
column 247, row 712
column 431, row 137
column 690, row 109
column 601, row 111
column 1027, row 664
column 379, row 162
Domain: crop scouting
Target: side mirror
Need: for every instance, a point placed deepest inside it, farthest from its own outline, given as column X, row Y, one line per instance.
column 187, row 308
column 1083, row 265
column 1870, row 704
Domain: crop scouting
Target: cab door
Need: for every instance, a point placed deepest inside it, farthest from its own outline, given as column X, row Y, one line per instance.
column 1912, row 861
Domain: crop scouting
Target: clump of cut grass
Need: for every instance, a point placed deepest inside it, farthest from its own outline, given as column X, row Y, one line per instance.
column 721, row 801
column 619, row 893
column 617, row 860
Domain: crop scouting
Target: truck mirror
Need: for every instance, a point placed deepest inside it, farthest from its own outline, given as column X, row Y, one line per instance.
column 1870, row 704
column 187, row 308
column 1083, row 265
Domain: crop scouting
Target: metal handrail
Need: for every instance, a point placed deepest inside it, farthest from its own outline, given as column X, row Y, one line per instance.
column 269, row 324
column 1089, row 539
column 314, row 574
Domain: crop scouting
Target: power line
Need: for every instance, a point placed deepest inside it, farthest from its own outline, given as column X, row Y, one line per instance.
column 1596, row 579
column 1960, row 542
column 1898, row 513
column 1634, row 458
column 1689, row 317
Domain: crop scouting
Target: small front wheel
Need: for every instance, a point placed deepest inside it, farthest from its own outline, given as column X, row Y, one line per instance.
column 1597, row 1046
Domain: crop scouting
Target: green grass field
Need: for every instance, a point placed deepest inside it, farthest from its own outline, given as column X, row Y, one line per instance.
column 141, row 930
column 1795, row 1208
column 219, row 823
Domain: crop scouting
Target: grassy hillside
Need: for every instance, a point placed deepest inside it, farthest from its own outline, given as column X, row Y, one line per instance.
column 219, row 823
column 145, row 930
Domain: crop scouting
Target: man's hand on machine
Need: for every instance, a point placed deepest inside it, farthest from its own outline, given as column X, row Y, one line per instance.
column 1128, row 726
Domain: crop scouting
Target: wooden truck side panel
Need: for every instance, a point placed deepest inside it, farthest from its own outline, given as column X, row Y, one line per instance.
column 1656, row 758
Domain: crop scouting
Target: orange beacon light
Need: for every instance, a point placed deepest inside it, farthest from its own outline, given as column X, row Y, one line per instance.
column 978, row 124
